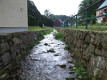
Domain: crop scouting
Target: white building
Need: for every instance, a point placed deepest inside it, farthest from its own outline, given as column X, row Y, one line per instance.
column 100, row 11
column 13, row 15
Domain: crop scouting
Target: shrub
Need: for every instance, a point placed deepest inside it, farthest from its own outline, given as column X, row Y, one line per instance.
column 67, row 48
column 80, row 71
column 59, row 36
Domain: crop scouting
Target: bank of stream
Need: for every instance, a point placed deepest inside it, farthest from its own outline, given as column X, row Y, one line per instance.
column 47, row 61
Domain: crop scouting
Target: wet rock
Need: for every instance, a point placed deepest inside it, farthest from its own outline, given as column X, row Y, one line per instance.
column 56, row 55
column 63, row 65
column 70, row 61
column 2, row 77
column 74, row 68
column 70, row 78
column 46, row 44
column 71, row 67
column 35, row 59
column 71, row 72
column 51, row 50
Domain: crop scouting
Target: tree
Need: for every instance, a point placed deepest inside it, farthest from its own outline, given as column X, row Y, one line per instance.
column 35, row 18
column 47, row 12
column 91, row 11
column 31, row 20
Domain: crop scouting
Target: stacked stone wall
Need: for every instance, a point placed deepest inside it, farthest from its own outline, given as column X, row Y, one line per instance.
column 90, row 48
column 13, row 46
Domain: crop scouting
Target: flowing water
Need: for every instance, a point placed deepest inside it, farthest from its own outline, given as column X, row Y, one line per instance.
column 45, row 60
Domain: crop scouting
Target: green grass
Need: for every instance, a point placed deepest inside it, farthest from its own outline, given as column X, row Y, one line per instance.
column 36, row 28
column 59, row 36
column 69, row 78
column 80, row 71
column 67, row 48
column 91, row 27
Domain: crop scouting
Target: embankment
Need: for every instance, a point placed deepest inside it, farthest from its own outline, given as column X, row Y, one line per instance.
column 13, row 46
column 90, row 48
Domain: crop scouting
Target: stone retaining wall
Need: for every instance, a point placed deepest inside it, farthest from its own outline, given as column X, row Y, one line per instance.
column 90, row 48
column 15, row 45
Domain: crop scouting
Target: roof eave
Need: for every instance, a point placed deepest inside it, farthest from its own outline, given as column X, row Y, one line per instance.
column 101, row 8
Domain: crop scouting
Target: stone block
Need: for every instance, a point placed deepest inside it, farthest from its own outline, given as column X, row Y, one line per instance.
column 104, row 40
column 13, row 55
column 13, row 48
column 6, row 58
column 4, row 47
column 17, row 41
column 98, row 52
column 98, row 38
column 100, row 62
column 88, row 52
column 104, row 52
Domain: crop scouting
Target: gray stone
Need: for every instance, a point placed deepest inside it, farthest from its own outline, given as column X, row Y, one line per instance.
column 98, row 73
column 104, row 52
column 97, row 51
column 17, row 41
column 13, row 55
column 13, row 48
column 6, row 58
column 87, row 39
column 88, row 52
column 104, row 41
column 4, row 47
column 97, row 39
column 100, row 62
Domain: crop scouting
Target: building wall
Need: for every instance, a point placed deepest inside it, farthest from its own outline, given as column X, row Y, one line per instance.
column 13, row 13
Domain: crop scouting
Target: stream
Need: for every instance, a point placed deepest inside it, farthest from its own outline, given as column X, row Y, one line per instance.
column 47, row 61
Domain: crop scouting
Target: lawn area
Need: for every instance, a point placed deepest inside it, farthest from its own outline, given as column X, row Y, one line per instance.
column 92, row 27
column 36, row 28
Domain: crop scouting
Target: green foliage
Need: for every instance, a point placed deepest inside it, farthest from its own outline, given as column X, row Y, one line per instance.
column 40, row 23
column 59, row 36
column 69, row 78
column 67, row 48
column 80, row 71
column 91, row 11
column 94, row 78
column 36, row 28
column 31, row 20
column 96, row 27
column 35, row 18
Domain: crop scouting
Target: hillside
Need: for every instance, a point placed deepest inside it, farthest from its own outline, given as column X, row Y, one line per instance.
column 35, row 18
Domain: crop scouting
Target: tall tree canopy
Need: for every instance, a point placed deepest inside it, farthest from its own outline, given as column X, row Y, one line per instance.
column 35, row 18
column 91, row 12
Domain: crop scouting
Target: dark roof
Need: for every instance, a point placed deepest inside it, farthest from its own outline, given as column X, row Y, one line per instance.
column 103, row 5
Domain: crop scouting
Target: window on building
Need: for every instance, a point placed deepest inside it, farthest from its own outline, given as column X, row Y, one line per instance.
column 105, row 10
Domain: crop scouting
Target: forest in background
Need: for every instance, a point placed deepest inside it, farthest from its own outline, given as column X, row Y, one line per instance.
column 35, row 18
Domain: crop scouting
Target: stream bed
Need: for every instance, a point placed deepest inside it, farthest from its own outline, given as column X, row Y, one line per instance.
column 47, row 61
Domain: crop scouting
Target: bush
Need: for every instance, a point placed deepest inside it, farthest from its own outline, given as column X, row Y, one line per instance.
column 80, row 71
column 59, row 36
column 40, row 23
column 67, row 48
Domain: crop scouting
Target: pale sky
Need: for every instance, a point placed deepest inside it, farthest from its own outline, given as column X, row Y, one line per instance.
column 58, row 7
